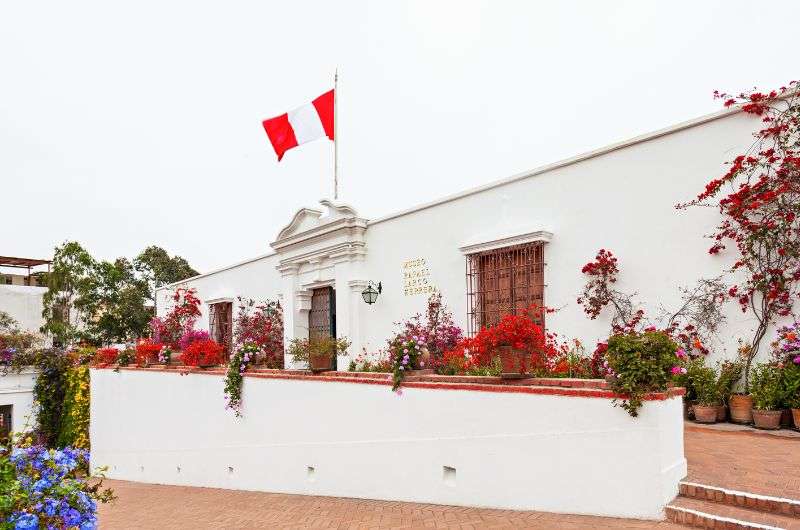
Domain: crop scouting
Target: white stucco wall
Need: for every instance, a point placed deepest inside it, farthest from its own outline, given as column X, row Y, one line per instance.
column 621, row 198
column 509, row 450
column 623, row 201
column 257, row 279
column 17, row 390
column 24, row 303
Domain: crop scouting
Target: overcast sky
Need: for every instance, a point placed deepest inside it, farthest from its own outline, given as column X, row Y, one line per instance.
column 129, row 124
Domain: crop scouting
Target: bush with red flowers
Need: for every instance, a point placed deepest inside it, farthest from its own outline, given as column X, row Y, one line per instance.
column 203, row 353
column 759, row 200
column 106, row 356
column 147, row 351
column 181, row 318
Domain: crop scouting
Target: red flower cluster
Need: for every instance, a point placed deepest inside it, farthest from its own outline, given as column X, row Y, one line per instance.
column 105, row 356
column 203, row 353
column 181, row 317
column 598, row 292
column 521, row 332
column 147, row 351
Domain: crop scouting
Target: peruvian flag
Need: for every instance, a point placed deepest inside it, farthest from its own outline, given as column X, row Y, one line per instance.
column 303, row 124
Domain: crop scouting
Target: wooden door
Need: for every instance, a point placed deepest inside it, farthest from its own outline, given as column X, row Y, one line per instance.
column 322, row 316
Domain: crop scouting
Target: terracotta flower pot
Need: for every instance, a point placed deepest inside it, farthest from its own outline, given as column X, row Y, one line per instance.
column 320, row 363
column 722, row 413
column 767, row 419
column 786, row 418
column 796, row 417
column 705, row 413
column 741, row 408
column 513, row 361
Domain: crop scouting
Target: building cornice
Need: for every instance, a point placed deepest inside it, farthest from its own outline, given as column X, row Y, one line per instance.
column 506, row 240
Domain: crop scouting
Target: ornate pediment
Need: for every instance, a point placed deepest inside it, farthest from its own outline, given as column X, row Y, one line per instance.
column 318, row 231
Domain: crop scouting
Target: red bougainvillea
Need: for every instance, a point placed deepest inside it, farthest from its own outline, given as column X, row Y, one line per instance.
column 759, row 199
column 147, row 351
column 522, row 332
column 203, row 353
column 184, row 313
column 105, row 356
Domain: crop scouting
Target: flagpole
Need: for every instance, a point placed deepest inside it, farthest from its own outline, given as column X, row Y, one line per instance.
column 335, row 136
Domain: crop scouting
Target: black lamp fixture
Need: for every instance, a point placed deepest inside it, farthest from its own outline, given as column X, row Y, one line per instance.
column 370, row 294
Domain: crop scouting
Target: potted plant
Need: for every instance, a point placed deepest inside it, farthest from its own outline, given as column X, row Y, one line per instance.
column 740, row 404
column 147, row 352
column 704, row 380
column 766, row 391
column 729, row 373
column 519, row 342
column 790, row 378
column 318, row 353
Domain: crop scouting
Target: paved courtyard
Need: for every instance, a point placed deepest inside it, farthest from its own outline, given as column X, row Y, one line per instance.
column 740, row 460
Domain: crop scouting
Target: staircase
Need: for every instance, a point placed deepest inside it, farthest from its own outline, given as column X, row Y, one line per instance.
column 702, row 506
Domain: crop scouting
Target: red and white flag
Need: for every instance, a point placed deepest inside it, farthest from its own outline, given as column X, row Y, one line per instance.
column 303, row 124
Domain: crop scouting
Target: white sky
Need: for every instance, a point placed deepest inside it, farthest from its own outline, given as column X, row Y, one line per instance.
column 129, row 124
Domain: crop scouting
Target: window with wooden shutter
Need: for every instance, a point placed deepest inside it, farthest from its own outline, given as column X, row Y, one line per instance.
column 503, row 281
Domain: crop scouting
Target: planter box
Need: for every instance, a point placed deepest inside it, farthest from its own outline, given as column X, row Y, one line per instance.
column 320, row 363
column 515, row 362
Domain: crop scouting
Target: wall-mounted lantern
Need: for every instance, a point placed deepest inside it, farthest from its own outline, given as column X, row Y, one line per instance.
column 370, row 294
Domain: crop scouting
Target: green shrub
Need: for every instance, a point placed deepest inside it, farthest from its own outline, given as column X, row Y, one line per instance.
column 642, row 363
column 730, row 372
column 704, row 380
column 790, row 383
column 766, row 387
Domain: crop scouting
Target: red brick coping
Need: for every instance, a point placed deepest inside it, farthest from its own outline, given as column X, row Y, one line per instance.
column 591, row 388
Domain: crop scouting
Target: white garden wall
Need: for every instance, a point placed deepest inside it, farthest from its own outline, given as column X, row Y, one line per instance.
column 17, row 390
column 496, row 449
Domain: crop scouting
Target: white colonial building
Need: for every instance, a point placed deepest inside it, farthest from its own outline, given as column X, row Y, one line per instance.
column 490, row 249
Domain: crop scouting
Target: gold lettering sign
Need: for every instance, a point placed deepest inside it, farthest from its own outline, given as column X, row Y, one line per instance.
column 417, row 277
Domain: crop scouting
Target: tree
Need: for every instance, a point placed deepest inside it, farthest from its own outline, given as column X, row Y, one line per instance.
column 158, row 268
column 759, row 200
column 68, row 286
column 117, row 303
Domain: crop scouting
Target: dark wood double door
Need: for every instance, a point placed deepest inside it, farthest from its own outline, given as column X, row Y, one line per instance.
column 322, row 316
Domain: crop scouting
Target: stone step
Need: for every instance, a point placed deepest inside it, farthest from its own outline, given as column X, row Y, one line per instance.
column 740, row 499
column 700, row 513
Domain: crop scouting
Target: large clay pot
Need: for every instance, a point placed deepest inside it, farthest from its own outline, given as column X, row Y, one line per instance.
column 722, row 413
column 741, row 408
column 320, row 363
column 767, row 419
column 514, row 362
column 796, row 417
column 705, row 413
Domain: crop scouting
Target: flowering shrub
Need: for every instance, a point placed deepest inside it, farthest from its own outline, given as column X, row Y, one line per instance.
column 521, row 332
column 237, row 364
column 786, row 348
column 147, row 351
column 190, row 336
column 203, row 353
column 376, row 362
column 261, row 324
column 126, row 357
column 75, row 413
column 759, row 199
column 303, row 350
column 41, row 488
column 182, row 317
column 642, row 363
column 405, row 355
column 572, row 362
column 766, row 389
column 436, row 330
column 165, row 355
column 106, row 356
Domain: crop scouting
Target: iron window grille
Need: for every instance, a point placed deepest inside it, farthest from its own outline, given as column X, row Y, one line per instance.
column 503, row 281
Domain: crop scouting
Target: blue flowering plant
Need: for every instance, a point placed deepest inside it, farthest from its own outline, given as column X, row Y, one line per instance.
column 48, row 488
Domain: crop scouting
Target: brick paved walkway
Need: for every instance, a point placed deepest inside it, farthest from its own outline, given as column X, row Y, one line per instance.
column 750, row 461
column 763, row 464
